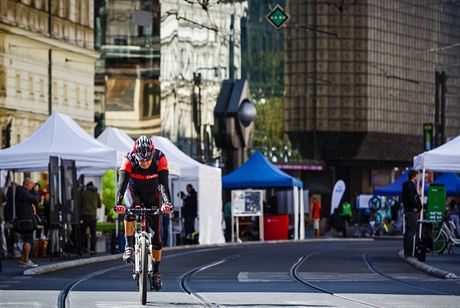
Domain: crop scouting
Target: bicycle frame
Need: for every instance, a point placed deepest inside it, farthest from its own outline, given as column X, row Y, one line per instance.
column 143, row 264
column 448, row 227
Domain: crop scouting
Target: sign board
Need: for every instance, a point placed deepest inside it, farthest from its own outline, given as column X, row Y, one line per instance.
column 247, row 202
column 436, row 202
column 277, row 17
column 427, row 137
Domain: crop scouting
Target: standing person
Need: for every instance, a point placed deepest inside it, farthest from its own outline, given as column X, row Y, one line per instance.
column 228, row 221
column 26, row 199
column 190, row 210
column 90, row 202
column 3, row 247
column 454, row 208
column 316, row 215
column 141, row 172
column 346, row 214
column 412, row 205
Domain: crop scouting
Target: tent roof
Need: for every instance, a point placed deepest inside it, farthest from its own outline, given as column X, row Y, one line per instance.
column 392, row 189
column 444, row 158
column 58, row 136
column 116, row 139
column 188, row 166
column 258, row 172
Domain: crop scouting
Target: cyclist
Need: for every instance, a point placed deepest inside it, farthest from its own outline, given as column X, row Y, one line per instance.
column 141, row 172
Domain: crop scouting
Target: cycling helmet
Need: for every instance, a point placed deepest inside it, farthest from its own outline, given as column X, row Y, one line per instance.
column 143, row 148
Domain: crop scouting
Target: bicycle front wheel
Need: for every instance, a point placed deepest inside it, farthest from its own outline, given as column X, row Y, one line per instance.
column 440, row 241
column 143, row 274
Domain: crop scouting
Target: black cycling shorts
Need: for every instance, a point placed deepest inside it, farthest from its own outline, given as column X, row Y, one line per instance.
column 133, row 198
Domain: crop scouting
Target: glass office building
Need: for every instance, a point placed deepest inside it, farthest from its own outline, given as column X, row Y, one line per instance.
column 360, row 82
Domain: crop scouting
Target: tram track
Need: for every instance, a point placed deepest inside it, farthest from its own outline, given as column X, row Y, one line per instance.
column 186, row 278
column 371, row 265
column 64, row 293
column 295, row 276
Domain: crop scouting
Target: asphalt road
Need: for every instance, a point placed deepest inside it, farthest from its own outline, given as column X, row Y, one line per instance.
column 309, row 274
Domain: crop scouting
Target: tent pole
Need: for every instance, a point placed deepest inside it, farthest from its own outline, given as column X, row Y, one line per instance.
column 302, row 214
column 296, row 212
column 13, row 187
column 421, row 201
column 116, row 220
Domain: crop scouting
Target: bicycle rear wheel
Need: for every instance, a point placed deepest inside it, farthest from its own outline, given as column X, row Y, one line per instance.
column 143, row 274
column 439, row 241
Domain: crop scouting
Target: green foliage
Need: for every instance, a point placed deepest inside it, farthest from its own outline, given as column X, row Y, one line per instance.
column 269, row 137
column 108, row 192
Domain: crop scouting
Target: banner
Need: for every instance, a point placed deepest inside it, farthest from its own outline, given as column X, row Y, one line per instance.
column 339, row 189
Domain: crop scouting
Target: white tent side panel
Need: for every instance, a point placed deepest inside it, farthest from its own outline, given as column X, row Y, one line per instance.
column 210, row 206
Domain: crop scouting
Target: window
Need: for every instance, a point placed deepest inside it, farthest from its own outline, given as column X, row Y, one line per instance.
column 31, row 85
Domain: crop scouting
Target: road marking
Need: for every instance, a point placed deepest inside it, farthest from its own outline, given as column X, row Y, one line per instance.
column 309, row 276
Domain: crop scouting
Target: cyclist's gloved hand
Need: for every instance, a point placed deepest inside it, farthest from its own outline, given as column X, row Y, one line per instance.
column 166, row 208
column 119, row 209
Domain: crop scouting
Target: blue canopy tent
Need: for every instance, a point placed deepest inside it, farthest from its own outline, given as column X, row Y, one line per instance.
column 393, row 189
column 451, row 181
column 259, row 172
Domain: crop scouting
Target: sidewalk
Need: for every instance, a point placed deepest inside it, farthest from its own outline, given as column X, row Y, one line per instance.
column 446, row 266
column 11, row 265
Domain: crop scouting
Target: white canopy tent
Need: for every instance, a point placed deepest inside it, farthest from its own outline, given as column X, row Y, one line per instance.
column 119, row 140
column 445, row 158
column 208, row 184
column 59, row 136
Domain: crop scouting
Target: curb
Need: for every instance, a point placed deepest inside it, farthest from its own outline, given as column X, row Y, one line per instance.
column 389, row 237
column 430, row 270
column 75, row 263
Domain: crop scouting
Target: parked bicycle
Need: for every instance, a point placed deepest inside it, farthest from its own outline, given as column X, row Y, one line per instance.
column 444, row 237
column 143, row 263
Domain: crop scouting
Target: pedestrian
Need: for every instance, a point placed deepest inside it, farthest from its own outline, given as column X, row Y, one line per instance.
column 190, row 210
column 3, row 247
column 316, row 215
column 412, row 205
column 228, row 221
column 346, row 214
column 22, row 216
column 90, row 202
column 453, row 209
column 338, row 223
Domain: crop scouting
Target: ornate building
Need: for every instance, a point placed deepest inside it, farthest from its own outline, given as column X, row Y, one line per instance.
column 199, row 49
column 46, row 64
column 127, row 75
column 360, row 82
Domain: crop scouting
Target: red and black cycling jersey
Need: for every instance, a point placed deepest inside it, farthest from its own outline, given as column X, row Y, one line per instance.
column 143, row 181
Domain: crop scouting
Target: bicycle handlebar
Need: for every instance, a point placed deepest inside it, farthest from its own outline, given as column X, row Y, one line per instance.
column 154, row 211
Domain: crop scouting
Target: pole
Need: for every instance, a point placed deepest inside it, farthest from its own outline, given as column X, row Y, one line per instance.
column 296, row 212
column 443, row 106
column 421, row 201
column 437, row 77
column 302, row 214
column 50, row 76
column 50, row 79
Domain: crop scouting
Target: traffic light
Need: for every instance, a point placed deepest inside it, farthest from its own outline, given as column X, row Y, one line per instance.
column 234, row 115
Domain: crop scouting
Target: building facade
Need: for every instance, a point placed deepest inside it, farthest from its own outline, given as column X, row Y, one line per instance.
column 199, row 49
column 46, row 64
column 127, row 74
column 162, row 65
column 360, row 82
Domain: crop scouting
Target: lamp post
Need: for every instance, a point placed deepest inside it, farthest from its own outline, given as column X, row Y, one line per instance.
column 196, row 105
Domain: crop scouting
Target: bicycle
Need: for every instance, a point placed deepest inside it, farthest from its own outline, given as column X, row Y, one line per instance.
column 143, row 264
column 444, row 237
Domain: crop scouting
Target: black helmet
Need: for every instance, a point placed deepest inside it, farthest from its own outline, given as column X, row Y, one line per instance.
column 143, row 148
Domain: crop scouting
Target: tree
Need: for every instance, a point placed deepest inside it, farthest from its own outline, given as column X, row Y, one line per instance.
column 269, row 136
